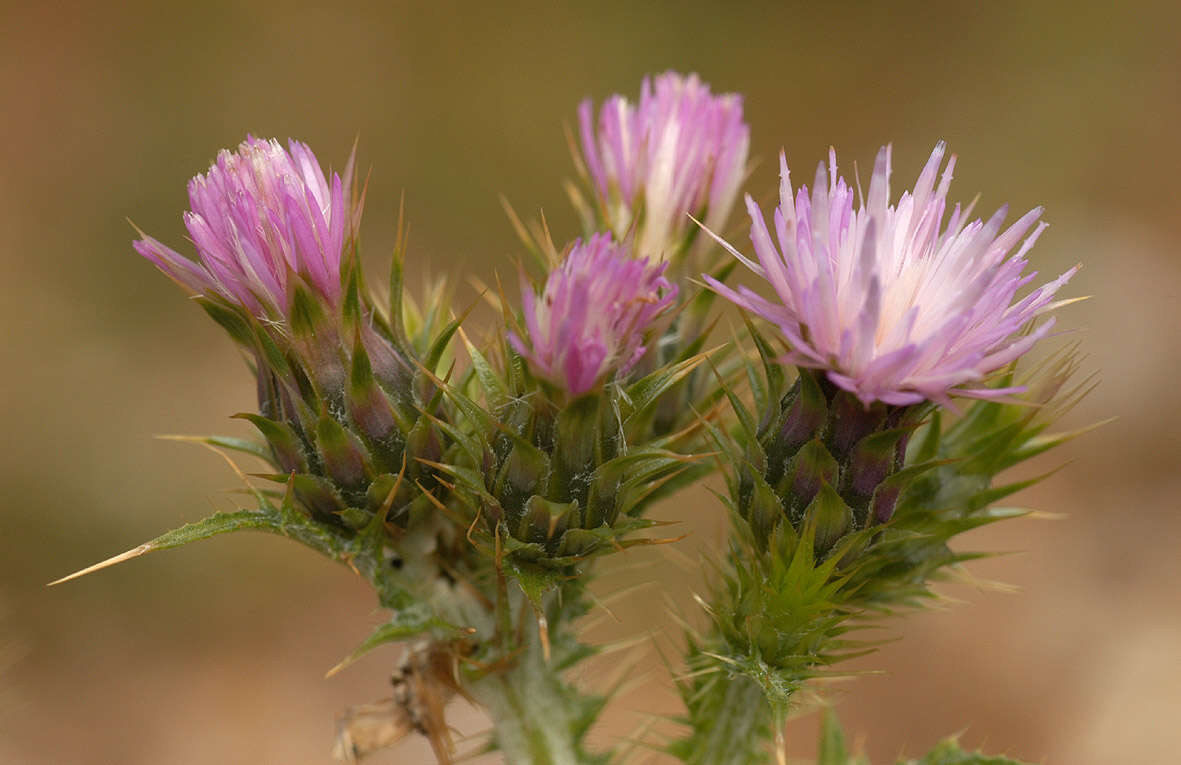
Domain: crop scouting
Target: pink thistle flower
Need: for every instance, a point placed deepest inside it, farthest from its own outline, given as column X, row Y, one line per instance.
column 681, row 150
column 894, row 304
column 591, row 318
column 260, row 215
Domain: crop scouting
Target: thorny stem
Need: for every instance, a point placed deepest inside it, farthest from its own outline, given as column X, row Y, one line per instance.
column 539, row 719
column 729, row 724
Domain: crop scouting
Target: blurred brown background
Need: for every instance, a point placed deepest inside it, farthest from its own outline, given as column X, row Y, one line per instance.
column 216, row 653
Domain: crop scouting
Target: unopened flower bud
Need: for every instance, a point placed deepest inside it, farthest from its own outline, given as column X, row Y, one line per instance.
column 336, row 396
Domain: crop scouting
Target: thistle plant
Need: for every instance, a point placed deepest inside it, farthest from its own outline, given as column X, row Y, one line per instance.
column 861, row 419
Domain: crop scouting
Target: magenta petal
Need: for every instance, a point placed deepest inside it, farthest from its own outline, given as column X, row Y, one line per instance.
column 678, row 151
column 258, row 215
column 590, row 152
column 590, row 319
column 181, row 269
column 899, row 304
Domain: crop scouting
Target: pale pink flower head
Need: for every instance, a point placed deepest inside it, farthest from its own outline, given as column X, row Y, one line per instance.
column 590, row 320
column 259, row 216
column 679, row 151
column 897, row 303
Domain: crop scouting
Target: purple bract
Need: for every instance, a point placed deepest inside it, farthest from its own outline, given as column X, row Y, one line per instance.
column 895, row 304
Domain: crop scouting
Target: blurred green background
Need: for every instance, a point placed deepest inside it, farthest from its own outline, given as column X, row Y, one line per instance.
column 216, row 653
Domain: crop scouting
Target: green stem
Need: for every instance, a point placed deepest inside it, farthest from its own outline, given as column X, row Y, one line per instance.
column 730, row 721
column 539, row 718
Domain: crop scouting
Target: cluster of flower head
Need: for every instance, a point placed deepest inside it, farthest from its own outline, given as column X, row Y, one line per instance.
column 548, row 451
column 897, row 303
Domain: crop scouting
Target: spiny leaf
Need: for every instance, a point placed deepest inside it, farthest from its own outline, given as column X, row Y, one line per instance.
column 534, row 582
column 439, row 345
column 1042, row 443
column 245, row 446
column 771, row 366
column 745, row 418
column 948, row 752
column 404, row 624
column 927, row 447
column 643, row 392
column 494, row 389
column 229, row 318
column 219, row 523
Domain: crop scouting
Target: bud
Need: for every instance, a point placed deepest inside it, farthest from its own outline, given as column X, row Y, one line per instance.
column 550, row 469
column 263, row 219
column 563, row 487
column 589, row 322
column 277, row 268
column 680, row 151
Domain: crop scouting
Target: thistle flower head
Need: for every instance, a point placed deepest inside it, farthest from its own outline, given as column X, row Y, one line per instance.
column 339, row 399
column 680, row 150
column 591, row 317
column 896, row 303
column 260, row 218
